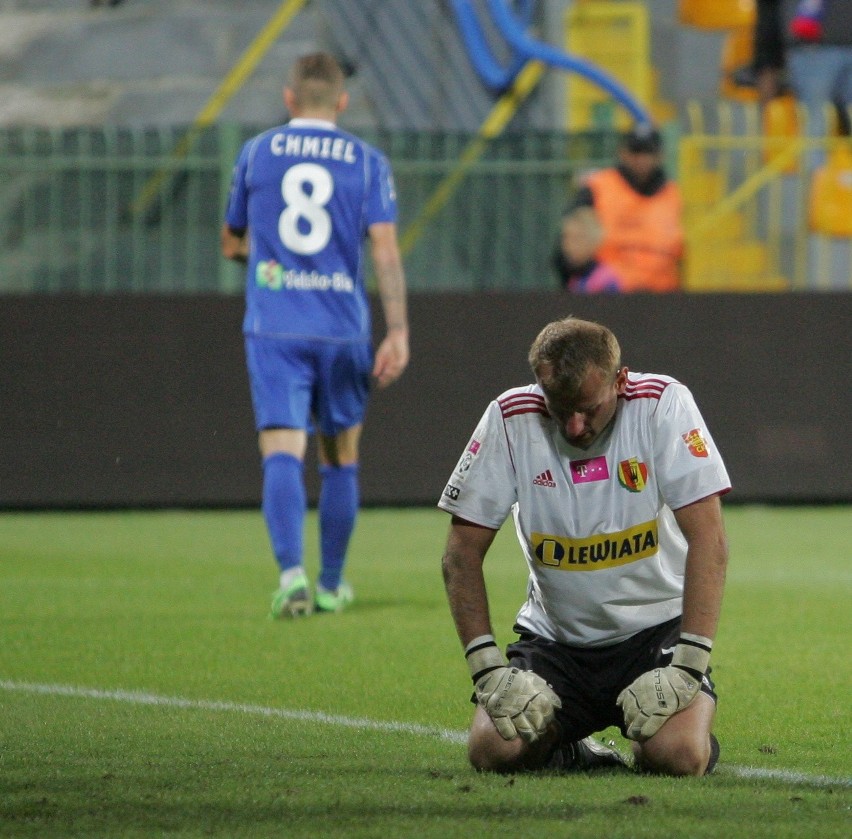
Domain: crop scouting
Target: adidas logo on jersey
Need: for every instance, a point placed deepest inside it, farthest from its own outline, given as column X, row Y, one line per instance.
column 545, row 479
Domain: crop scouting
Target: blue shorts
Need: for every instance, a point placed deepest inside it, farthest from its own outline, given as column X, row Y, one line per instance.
column 295, row 383
column 588, row 681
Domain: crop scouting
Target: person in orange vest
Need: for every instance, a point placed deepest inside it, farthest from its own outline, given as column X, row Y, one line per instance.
column 640, row 211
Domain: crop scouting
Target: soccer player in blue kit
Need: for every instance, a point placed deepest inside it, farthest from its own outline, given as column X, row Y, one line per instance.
column 304, row 198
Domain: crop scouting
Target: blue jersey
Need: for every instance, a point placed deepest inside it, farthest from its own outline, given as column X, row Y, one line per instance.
column 307, row 192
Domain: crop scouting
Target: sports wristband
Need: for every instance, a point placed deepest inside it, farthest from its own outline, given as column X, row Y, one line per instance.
column 692, row 654
column 479, row 641
column 483, row 656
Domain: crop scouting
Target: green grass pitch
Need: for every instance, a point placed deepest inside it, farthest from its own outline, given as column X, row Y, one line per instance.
column 144, row 692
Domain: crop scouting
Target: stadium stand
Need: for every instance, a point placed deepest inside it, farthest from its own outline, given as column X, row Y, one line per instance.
column 93, row 101
column 119, row 379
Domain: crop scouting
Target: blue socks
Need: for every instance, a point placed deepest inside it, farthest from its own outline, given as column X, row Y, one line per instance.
column 338, row 508
column 284, row 505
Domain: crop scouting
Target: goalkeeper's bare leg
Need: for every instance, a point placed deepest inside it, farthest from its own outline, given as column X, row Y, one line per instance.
column 489, row 752
column 682, row 745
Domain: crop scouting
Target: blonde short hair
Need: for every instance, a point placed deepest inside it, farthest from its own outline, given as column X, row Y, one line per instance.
column 316, row 81
column 564, row 350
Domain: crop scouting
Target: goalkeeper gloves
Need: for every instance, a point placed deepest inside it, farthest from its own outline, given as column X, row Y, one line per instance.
column 652, row 698
column 519, row 702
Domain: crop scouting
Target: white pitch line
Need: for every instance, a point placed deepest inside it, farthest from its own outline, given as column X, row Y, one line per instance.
column 458, row 737
column 786, row 775
column 142, row 698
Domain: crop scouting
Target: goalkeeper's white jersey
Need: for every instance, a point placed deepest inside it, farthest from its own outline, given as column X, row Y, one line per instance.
column 606, row 557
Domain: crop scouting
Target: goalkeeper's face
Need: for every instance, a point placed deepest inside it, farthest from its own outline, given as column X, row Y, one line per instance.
column 584, row 417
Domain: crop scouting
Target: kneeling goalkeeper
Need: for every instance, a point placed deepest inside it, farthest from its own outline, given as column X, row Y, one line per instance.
column 614, row 484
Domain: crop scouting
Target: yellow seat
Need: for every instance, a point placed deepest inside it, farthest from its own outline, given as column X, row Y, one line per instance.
column 615, row 37
column 717, row 14
column 662, row 110
column 746, row 259
column 702, row 188
column 731, row 266
column 731, row 227
column 830, row 199
column 758, row 283
column 781, row 121
column 729, row 260
column 737, row 52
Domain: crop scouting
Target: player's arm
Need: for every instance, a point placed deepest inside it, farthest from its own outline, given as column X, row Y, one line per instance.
column 519, row 702
column 653, row 697
column 706, row 563
column 393, row 352
column 234, row 243
column 464, row 580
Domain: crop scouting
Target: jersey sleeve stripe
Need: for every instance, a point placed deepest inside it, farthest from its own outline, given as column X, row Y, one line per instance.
column 528, row 410
column 659, row 387
column 524, row 403
column 643, row 394
column 645, row 389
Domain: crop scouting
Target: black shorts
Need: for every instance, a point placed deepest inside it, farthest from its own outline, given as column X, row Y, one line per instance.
column 588, row 680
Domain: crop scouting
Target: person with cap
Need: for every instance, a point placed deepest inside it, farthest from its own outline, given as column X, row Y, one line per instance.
column 640, row 211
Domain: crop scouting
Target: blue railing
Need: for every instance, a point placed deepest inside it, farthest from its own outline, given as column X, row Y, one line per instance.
column 513, row 28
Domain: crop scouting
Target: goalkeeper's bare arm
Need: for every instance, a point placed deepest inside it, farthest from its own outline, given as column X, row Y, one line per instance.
column 514, row 726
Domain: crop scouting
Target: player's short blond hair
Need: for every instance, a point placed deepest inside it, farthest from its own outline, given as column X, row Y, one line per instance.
column 564, row 350
column 316, row 81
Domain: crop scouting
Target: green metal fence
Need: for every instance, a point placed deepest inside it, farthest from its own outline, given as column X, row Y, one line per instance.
column 71, row 220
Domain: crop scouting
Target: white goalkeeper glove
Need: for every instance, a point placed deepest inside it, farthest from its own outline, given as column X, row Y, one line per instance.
column 519, row 702
column 652, row 698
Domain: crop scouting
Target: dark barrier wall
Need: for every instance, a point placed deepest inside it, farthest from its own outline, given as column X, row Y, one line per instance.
column 141, row 401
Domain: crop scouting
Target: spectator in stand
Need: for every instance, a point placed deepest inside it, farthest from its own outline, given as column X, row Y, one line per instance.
column 640, row 211
column 574, row 256
column 812, row 41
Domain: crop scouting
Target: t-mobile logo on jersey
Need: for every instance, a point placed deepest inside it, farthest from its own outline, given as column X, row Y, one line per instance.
column 586, row 471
